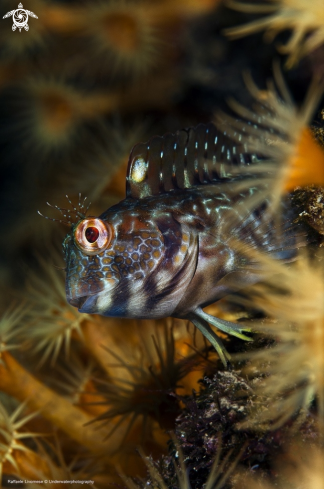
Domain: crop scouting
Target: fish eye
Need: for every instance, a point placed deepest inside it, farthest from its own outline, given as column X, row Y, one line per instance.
column 92, row 235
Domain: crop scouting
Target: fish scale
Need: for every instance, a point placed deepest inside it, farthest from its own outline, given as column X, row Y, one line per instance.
column 167, row 248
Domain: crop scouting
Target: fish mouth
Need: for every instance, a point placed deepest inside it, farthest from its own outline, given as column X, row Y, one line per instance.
column 85, row 303
column 88, row 304
column 93, row 303
column 78, row 301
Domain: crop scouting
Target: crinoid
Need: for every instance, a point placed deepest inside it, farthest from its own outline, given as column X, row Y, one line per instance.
column 304, row 19
column 277, row 130
column 122, row 38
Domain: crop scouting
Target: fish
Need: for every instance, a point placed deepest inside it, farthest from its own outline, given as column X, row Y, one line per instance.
column 166, row 250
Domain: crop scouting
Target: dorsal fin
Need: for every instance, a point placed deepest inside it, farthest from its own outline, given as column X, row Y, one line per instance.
column 196, row 156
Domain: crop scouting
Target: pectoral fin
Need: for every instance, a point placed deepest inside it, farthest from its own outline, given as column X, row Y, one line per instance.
column 206, row 330
column 202, row 320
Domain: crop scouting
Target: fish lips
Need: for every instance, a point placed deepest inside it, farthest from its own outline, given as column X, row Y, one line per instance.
column 88, row 304
column 98, row 303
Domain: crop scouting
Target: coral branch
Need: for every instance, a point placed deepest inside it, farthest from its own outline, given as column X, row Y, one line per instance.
column 19, row 383
column 96, row 336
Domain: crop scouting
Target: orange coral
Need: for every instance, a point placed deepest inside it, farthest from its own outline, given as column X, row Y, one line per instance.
column 306, row 166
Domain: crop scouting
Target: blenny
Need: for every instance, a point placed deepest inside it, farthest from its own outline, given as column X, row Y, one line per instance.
column 166, row 249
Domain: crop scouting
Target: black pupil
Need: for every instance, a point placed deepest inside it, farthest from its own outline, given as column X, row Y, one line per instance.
column 92, row 234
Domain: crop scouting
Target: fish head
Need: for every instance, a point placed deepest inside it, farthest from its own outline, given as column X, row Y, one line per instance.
column 108, row 259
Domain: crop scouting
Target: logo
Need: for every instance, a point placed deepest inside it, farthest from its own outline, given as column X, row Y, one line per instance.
column 20, row 18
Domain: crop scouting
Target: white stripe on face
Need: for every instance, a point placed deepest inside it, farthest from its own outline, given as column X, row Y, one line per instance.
column 105, row 298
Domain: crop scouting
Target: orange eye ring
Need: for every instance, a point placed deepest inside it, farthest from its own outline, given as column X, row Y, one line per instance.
column 92, row 235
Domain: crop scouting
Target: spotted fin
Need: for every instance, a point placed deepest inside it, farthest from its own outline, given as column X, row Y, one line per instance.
column 197, row 156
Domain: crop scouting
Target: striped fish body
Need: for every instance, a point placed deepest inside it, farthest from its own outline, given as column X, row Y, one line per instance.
column 169, row 250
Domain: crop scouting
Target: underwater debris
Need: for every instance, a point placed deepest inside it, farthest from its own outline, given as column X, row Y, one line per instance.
column 304, row 19
column 318, row 129
column 209, row 426
column 310, row 200
column 206, row 427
